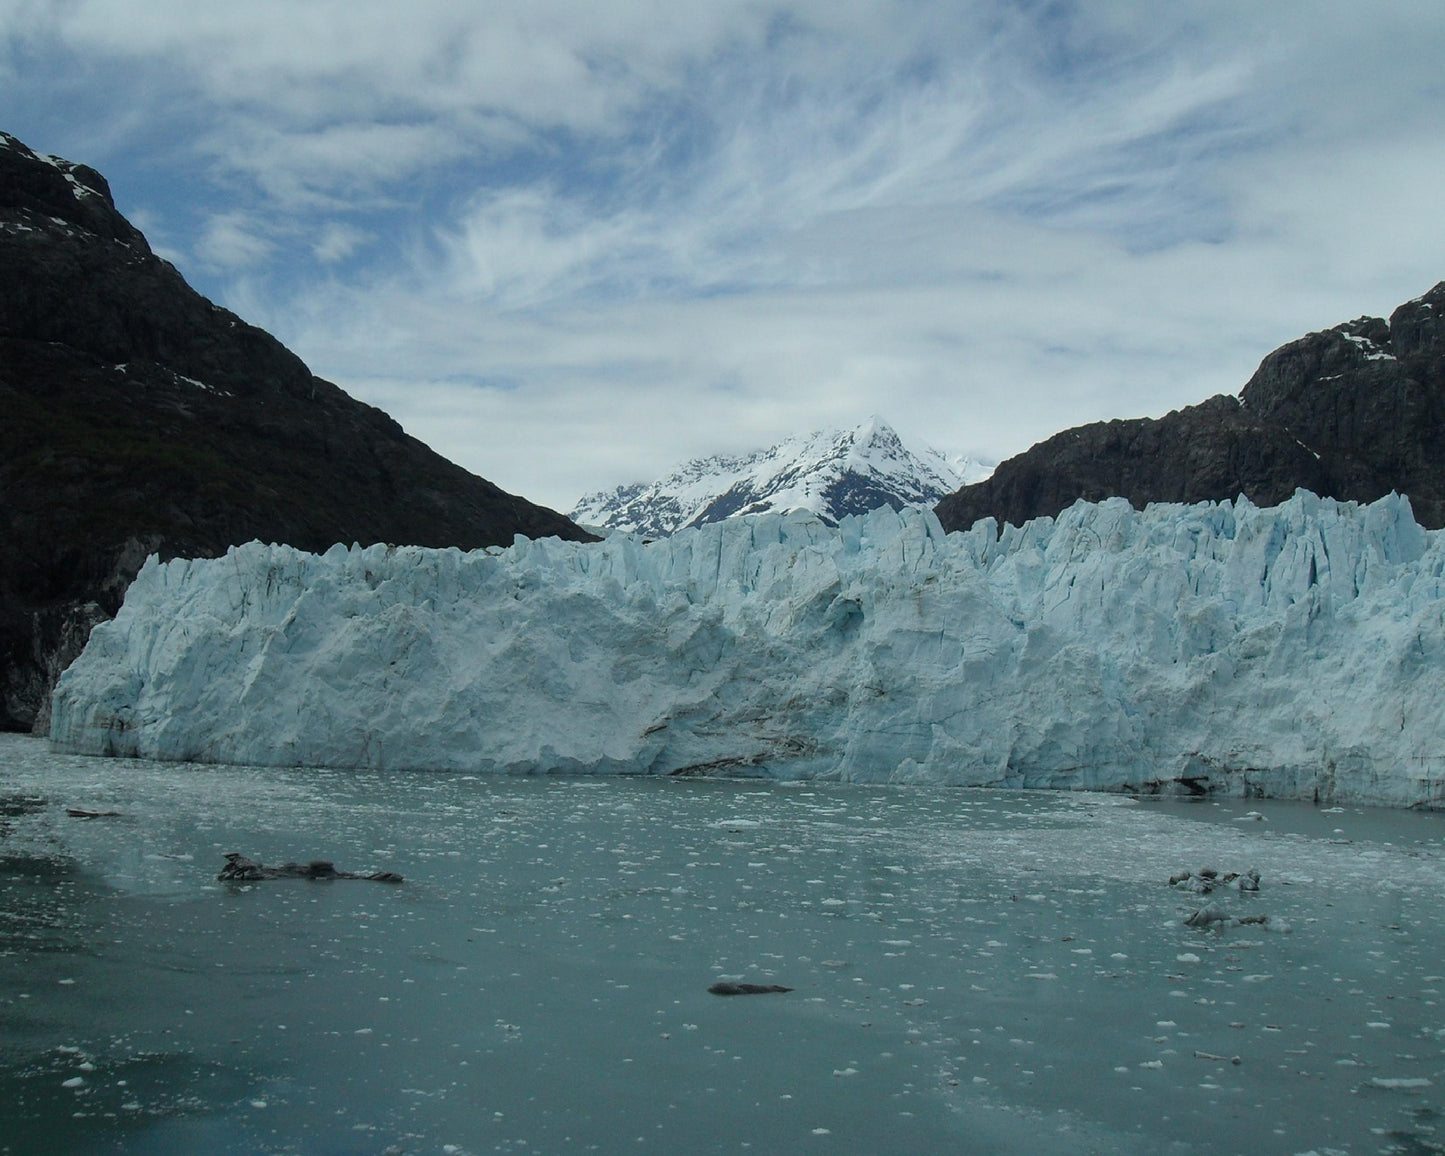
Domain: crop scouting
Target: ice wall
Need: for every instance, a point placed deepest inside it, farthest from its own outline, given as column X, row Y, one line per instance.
column 1293, row 651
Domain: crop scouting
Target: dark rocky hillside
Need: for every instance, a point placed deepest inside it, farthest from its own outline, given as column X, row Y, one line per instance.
column 1350, row 413
column 137, row 417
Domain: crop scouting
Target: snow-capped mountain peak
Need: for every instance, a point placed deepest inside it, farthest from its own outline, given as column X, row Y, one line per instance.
column 833, row 472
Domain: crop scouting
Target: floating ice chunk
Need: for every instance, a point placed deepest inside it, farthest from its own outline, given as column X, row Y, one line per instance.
column 1207, row 917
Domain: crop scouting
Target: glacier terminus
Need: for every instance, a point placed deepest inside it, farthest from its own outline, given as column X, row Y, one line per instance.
column 1293, row 651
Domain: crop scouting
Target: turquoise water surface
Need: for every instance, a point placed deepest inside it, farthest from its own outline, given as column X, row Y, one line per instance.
column 973, row 971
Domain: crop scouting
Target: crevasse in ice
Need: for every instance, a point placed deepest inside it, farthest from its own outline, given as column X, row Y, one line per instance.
column 1291, row 651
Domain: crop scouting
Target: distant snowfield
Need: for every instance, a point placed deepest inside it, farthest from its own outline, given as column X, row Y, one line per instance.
column 1293, row 652
column 832, row 472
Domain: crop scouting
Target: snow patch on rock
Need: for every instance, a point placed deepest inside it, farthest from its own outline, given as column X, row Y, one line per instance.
column 833, row 473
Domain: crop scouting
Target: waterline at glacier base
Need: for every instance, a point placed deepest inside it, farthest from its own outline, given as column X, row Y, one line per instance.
column 1295, row 651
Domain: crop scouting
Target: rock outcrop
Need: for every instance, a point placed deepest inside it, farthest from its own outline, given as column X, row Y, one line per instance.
column 1353, row 413
column 140, row 418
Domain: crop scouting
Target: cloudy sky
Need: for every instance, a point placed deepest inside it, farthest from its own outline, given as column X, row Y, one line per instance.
column 571, row 243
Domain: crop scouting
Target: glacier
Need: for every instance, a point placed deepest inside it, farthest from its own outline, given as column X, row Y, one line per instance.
column 1295, row 651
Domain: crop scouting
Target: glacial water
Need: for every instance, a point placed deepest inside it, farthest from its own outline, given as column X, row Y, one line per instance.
column 980, row 972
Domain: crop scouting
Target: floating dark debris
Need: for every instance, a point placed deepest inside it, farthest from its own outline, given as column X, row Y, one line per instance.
column 239, row 869
column 747, row 988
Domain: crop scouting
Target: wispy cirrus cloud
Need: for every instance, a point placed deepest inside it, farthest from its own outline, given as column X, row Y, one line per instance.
column 338, row 241
column 234, row 240
column 642, row 230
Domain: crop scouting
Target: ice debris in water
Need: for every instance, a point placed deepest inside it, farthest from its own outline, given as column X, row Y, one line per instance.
column 1208, row 879
column 1218, row 919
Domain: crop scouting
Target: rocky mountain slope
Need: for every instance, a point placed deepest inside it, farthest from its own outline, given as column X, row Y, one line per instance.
column 1352, row 413
column 833, row 473
column 139, row 418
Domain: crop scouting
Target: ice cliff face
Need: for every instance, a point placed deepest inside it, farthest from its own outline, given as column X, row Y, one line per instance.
column 1292, row 651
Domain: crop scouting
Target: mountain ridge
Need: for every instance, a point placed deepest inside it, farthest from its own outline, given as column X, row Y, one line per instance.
column 1352, row 412
column 832, row 472
column 142, row 418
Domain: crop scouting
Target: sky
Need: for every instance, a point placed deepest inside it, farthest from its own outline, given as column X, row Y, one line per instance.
column 570, row 244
